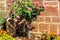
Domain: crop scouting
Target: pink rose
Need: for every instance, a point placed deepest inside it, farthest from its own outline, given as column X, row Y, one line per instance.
column 18, row 16
column 13, row 12
column 37, row 3
column 44, row 6
column 29, row 8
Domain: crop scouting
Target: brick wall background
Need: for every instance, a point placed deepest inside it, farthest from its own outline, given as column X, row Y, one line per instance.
column 48, row 21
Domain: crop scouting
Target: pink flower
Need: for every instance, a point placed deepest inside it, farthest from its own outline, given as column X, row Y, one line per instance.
column 44, row 6
column 15, row 20
column 37, row 3
column 13, row 12
column 9, row 4
column 18, row 16
column 29, row 8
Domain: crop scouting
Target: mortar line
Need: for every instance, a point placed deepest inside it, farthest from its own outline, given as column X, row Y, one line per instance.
column 5, row 5
column 37, row 32
column 58, row 9
column 51, row 5
column 49, row 16
column 49, row 23
column 51, row 1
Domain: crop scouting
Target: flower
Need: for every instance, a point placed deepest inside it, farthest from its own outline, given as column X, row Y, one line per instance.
column 15, row 20
column 37, row 4
column 18, row 16
column 9, row 4
column 7, row 30
column 44, row 6
column 13, row 12
column 29, row 8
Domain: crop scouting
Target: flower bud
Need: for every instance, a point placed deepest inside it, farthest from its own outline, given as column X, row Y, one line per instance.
column 18, row 16
column 15, row 20
column 44, row 6
column 37, row 3
column 13, row 12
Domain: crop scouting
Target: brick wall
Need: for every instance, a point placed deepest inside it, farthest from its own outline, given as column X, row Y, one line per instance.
column 48, row 21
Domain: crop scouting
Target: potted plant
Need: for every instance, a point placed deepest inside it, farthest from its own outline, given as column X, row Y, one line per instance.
column 22, row 14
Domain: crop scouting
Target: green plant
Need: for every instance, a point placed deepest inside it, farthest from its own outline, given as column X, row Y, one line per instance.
column 1, row 19
column 22, row 14
column 27, row 10
column 53, row 37
column 6, row 37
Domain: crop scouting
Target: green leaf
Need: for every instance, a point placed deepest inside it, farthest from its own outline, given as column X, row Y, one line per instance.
column 15, row 8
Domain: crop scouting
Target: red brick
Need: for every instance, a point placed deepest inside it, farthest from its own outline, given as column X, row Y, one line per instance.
column 51, row 3
column 35, row 24
column 53, row 27
column 40, row 19
column 4, row 14
column 38, row 0
column 1, row 5
column 50, row 11
column 43, row 27
column 56, row 19
column 47, row 19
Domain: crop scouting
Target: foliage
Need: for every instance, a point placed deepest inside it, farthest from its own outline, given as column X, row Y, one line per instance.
column 22, row 14
column 1, row 19
column 27, row 10
column 53, row 37
column 5, row 36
